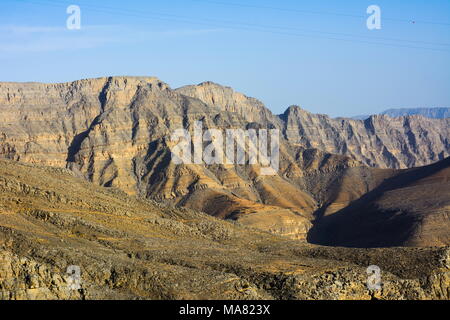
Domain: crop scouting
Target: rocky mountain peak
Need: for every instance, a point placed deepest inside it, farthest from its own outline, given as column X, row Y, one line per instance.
column 294, row 109
column 226, row 99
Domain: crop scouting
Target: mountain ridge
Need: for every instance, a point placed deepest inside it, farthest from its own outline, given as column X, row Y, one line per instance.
column 115, row 132
column 434, row 113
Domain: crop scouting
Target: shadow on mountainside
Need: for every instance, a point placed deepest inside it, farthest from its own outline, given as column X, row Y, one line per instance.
column 363, row 224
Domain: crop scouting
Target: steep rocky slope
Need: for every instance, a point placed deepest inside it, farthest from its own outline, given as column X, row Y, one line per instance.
column 379, row 141
column 134, row 249
column 411, row 208
column 226, row 99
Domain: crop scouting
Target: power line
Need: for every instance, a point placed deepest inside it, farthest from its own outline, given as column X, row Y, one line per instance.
column 318, row 12
column 295, row 29
column 246, row 26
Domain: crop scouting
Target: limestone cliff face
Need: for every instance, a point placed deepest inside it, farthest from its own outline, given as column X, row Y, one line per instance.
column 379, row 141
column 48, row 122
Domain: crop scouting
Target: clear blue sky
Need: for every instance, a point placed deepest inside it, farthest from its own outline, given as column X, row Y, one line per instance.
column 316, row 54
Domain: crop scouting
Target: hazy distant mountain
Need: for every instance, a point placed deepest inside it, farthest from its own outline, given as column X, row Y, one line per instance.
column 361, row 117
column 434, row 113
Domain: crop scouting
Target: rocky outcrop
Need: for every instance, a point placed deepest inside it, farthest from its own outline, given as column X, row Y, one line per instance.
column 226, row 99
column 23, row 278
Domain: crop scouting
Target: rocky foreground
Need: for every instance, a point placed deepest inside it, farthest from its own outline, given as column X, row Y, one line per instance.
column 137, row 249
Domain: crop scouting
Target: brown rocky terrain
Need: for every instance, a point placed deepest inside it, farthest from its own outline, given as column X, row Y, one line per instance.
column 116, row 132
column 380, row 141
column 138, row 249
column 409, row 208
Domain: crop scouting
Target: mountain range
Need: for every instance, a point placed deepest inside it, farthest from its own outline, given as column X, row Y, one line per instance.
column 88, row 177
column 116, row 131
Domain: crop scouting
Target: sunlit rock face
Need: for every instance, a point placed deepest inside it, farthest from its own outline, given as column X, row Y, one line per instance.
column 116, row 132
column 379, row 141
